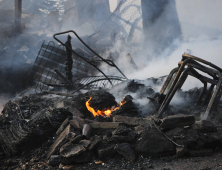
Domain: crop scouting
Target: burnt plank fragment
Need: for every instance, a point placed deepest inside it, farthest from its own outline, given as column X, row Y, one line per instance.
column 24, row 135
column 178, row 131
column 120, row 139
column 204, row 126
column 77, row 122
column 55, row 160
column 126, row 151
column 153, row 143
column 60, row 140
column 63, row 126
column 77, row 139
column 84, row 157
column 132, row 120
column 70, row 150
column 123, row 131
column 106, row 152
column 106, row 125
column 177, row 121
column 95, row 141
column 123, row 134
column 85, row 143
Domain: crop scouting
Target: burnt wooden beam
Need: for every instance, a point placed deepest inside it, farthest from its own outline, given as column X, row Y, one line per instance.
column 132, row 120
column 106, row 125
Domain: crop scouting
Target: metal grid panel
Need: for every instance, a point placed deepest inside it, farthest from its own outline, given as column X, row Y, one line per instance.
column 50, row 57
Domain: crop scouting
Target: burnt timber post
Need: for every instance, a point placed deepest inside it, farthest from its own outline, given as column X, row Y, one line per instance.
column 18, row 15
column 69, row 60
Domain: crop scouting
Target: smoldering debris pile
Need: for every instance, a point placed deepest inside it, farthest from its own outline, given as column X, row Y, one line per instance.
column 39, row 131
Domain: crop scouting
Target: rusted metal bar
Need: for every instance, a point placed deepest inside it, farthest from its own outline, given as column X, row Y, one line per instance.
column 192, row 64
column 186, row 56
column 202, row 78
column 181, row 69
column 210, row 72
column 208, row 95
column 169, row 78
column 171, row 94
column 214, row 99
column 201, row 94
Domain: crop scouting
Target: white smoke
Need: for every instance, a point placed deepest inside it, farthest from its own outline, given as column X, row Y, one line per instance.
column 201, row 38
column 3, row 101
column 203, row 47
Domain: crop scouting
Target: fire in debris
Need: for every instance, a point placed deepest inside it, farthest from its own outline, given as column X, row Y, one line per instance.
column 105, row 113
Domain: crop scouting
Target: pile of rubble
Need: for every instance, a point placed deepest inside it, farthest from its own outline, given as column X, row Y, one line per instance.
column 42, row 131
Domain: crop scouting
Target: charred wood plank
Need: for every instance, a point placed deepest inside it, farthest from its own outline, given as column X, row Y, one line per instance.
column 24, row 135
column 59, row 141
column 177, row 121
column 106, row 125
column 63, row 126
column 132, row 120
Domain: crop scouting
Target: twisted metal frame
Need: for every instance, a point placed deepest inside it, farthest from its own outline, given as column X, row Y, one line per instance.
column 49, row 52
column 96, row 82
column 47, row 59
column 188, row 66
column 109, row 62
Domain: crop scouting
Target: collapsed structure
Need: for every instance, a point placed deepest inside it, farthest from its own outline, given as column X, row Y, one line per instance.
column 69, row 114
column 213, row 94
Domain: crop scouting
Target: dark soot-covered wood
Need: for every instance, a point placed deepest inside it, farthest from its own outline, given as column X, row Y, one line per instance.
column 21, row 135
column 128, row 109
column 100, row 100
column 153, row 143
column 177, row 121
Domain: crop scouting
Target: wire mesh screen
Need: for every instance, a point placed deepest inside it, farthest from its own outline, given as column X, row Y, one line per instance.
column 50, row 57
column 81, row 68
column 97, row 82
column 124, row 23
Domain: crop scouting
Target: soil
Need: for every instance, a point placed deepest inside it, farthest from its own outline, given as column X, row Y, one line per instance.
column 213, row 162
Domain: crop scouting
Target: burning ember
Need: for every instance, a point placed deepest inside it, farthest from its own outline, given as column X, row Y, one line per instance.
column 105, row 113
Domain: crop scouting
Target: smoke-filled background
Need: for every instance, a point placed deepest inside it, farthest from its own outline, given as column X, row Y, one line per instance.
column 200, row 25
column 196, row 30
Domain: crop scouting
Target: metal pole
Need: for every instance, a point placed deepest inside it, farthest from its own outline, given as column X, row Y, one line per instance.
column 18, row 15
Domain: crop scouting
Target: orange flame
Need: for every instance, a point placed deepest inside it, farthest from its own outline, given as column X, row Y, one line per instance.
column 105, row 113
